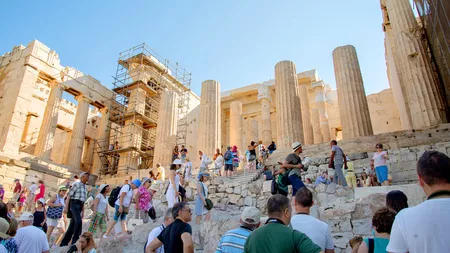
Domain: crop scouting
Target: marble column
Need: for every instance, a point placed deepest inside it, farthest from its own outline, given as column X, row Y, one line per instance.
column 304, row 102
column 104, row 131
column 254, row 130
column 424, row 97
column 353, row 108
column 289, row 116
column 321, row 105
column 266, row 126
column 236, row 124
column 75, row 150
column 166, row 131
column 209, row 121
column 47, row 131
column 317, row 130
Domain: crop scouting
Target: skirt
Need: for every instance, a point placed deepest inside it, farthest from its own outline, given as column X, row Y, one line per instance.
column 200, row 209
column 170, row 196
column 99, row 220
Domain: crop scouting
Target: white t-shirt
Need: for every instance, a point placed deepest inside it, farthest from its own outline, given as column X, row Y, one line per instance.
column 31, row 239
column 219, row 161
column 205, row 158
column 33, row 189
column 102, row 203
column 422, row 228
column 378, row 159
column 318, row 231
column 127, row 199
column 153, row 234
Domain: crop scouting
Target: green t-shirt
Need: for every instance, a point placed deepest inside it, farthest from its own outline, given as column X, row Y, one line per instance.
column 278, row 238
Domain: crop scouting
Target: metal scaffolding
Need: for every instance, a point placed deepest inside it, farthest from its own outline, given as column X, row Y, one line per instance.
column 141, row 77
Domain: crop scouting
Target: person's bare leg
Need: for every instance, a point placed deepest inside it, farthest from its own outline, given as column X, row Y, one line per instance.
column 208, row 216
column 123, row 225
column 59, row 236
column 110, row 227
column 198, row 219
column 49, row 233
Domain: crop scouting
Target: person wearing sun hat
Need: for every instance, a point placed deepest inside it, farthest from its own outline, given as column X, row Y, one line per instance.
column 30, row 239
column 9, row 244
column 39, row 214
column 293, row 165
column 100, row 210
column 122, row 207
column 55, row 207
column 174, row 183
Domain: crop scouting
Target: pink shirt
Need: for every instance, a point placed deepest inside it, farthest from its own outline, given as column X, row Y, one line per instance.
column 144, row 199
column 378, row 158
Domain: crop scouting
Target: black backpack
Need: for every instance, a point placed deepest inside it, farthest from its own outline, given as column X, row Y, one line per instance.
column 227, row 155
column 114, row 195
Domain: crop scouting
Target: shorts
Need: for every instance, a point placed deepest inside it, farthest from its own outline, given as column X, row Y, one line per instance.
column 57, row 223
column 30, row 198
column 122, row 216
column 229, row 167
column 382, row 173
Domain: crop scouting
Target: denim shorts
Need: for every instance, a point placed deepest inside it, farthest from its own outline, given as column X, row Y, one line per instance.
column 123, row 216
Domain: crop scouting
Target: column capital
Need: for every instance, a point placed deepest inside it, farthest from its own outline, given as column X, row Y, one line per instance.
column 318, row 85
column 264, row 92
column 83, row 98
column 104, row 110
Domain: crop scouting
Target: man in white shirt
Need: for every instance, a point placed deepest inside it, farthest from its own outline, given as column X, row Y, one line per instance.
column 31, row 195
column 168, row 219
column 425, row 228
column 316, row 230
column 205, row 161
column 30, row 239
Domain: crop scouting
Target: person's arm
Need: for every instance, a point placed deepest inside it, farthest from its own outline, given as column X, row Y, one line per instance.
column 172, row 181
column 96, row 201
column 281, row 170
column 386, row 156
column 330, row 163
column 122, row 197
column 51, row 201
column 363, row 248
column 136, row 200
column 188, row 246
column 154, row 245
column 329, row 247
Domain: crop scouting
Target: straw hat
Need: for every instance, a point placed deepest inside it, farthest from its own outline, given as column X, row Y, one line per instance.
column 4, row 226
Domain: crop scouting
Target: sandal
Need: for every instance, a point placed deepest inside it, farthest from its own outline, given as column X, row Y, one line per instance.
column 129, row 232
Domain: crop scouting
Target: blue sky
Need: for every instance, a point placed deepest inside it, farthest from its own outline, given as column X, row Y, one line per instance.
column 237, row 43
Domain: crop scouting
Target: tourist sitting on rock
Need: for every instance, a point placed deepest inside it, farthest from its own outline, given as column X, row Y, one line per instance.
column 276, row 236
column 293, row 165
column 268, row 174
column 382, row 224
column 355, row 242
column 318, row 231
column 30, row 239
column 350, row 175
column 100, row 210
column 424, row 228
column 365, row 180
column 7, row 242
column 322, row 178
column 168, row 219
column 379, row 158
column 85, row 244
column 177, row 237
column 200, row 199
column 233, row 241
column 396, row 200
column 338, row 160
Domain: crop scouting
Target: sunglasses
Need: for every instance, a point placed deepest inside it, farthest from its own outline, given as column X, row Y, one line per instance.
column 189, row 210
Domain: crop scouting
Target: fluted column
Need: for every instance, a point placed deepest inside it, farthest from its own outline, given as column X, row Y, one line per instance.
column 209, row 121
column 236, row 124
column 266, row 126
column 104, row 131
column 304, row 102
column 48, row 127
column 352, row 100
column 289, row 116
column 317, row 130
column 166, row 131
column 75, row 150
column 254, row 130
column 424, row 98
column 319, row 94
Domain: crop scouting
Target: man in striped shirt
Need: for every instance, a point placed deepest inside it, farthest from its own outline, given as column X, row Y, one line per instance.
column 233, row 241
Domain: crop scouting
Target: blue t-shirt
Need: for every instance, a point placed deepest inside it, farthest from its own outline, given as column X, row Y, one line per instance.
column 230, row 160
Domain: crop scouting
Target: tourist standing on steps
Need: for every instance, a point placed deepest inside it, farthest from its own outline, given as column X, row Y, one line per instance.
column 41, row 191
column 253, row 162
column 30, row 239
column 122, row 207
column 161, row 172
column 175, row 153
column 172, row 192
column 276, row 236
column 293, row 164
column 396, row 200
column 55, row 213
column 75, row 205
column 379, row 159
column 30, row 201
column 17, row 190
column 40, row 218
column 350, row 177
column 382, row 222
column 228, row 157
column 424, row 228
column 233, row 241
column 200, row 199
column 142, row 200
column 318, row 231
column 100, row 210
column 236, row 159
column 218, row 162
column 205, row 161
column 168, row 219
column 187, row 173
column 177, row 237
column 337, row 161
column 272, row 147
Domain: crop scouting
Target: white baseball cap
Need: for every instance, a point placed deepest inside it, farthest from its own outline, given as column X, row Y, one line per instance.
column 177, row 162
column 26, row 217
column 251, row 215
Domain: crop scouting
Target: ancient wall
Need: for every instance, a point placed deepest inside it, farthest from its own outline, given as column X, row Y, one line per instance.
column 384, row 112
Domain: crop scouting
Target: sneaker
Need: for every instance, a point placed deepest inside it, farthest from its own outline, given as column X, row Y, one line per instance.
column 105, row 237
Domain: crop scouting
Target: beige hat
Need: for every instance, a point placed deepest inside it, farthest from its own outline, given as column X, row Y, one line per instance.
column 296, row 145
column 100, row 189
column 26, row 217
column 4, row 226
column 154, row 187
column 251, row 215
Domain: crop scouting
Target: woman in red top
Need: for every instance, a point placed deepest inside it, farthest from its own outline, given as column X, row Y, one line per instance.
column 41, row 193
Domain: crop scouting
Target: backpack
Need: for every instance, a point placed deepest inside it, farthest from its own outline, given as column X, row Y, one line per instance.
column 227, row 155
column 114, row 196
